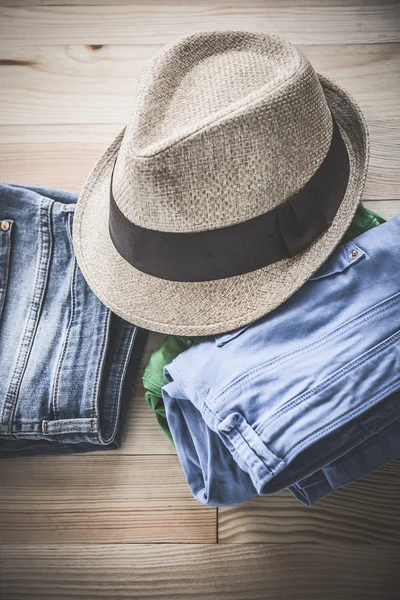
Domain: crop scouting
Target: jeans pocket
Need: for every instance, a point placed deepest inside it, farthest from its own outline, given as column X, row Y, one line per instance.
column 5, row 249
column 345, row 257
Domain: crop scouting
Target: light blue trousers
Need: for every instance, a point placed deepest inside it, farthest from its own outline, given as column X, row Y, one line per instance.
column 305, row 398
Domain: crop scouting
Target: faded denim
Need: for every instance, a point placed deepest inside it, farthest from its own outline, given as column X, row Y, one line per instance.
column 66, row 362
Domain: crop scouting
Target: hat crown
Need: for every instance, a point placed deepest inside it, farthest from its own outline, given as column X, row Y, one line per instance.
column 226, row 126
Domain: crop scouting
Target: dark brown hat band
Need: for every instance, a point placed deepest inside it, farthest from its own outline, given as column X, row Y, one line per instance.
column 282, row 232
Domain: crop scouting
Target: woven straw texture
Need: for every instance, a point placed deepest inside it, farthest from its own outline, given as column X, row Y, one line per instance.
column 225, row 128
column 221, row 159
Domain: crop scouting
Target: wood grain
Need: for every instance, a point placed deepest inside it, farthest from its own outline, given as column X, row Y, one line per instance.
column 357, row 514
column 70, row 84
column 231, row 4
column 308, row 22
column 386, row 208
column 200, row 572
column 95, row 526
column 143, row 435
column 61, row 156
column 96, row 499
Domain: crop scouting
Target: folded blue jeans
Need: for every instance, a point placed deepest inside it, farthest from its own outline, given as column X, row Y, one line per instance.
column 290, row 394
column 67, row 364
column 368, row 452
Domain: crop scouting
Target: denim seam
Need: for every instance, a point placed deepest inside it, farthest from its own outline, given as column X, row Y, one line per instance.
column 125, row 354
column 338, row 332
column 36, row 427
column 386, row 391
column 6, row 265
column 205, row 409
column 394, row 417
column 105, row 336
column 184, row 375
column 40, row 421
column 116, row 389
column 248, row 454
column 301, row 487
column 382, row 394
column 347, row 248
column 366, row 450
column 255, row 458
column 102, row 355
column 12, row 394
column 70, row 425
column 100, row 367
column 65, row 343
column 349, row 368
column 45, row 437
column 356, row 440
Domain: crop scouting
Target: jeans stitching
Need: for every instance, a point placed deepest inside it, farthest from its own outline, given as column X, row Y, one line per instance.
column 11, row 397
column 356, row 440
column 101, row 363
column 65, row 344
column 392, row 418
column 338, row 332
column 349, row 368
column 3, row 289
column 57, row 377
column 351, row 414
column 256, row 459
column 123, row 364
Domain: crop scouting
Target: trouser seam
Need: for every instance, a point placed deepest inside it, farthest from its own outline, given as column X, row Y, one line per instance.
column 350, row 415
column 364, row 317
column 346, row 370
column 125, row 354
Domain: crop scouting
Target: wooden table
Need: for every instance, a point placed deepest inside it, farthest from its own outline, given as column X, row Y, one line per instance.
column 123, row 524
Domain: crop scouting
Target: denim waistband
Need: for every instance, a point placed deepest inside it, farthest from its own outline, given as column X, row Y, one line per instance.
column 64, row 356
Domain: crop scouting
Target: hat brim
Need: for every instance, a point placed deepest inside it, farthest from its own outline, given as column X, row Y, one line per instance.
column 204, row 308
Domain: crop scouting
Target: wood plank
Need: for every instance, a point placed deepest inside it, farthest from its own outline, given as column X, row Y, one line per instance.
column 233, row 4
column 96, row 499
column 386, row 208
column 142, row 434
column 366, row 512
column 61, row 156
column 58, row 156
column 97, row 83
column 311, row 22
column 200, row 572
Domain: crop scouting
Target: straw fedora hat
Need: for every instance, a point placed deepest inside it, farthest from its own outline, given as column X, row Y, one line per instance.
column 236, row 177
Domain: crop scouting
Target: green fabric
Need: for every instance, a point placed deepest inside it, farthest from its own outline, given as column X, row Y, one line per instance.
column 363, row 220
column 153, row 377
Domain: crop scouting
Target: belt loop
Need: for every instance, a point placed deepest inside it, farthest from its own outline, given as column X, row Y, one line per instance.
column 262, row 464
